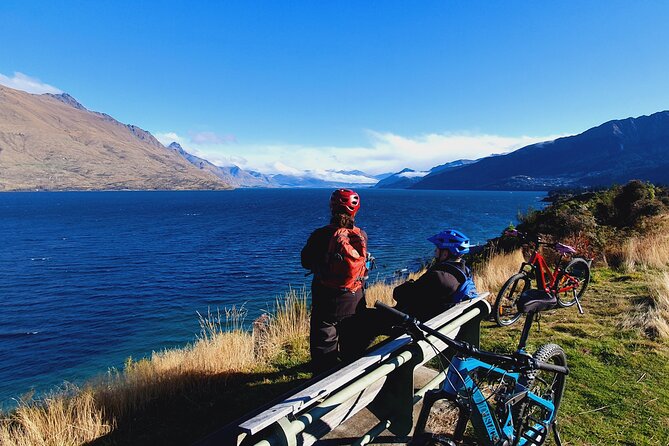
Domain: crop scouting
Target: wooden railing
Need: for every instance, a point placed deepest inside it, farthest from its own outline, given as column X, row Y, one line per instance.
column 382, row 381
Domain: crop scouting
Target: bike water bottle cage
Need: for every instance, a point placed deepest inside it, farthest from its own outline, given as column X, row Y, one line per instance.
column 533, row 300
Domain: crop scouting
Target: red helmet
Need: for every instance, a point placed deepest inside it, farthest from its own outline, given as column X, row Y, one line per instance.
column 346, row 201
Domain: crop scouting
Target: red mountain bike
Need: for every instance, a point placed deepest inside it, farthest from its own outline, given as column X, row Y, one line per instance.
column 565, row 284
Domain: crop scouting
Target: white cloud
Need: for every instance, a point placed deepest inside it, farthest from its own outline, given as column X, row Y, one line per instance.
column 385, row 152
column 28, row 84
column 168, row 138
column 211, row 138
column 413, row 174
column 282, row 168
column 340, row 177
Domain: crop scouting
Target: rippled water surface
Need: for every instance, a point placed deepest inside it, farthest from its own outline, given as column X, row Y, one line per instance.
column 89, row 279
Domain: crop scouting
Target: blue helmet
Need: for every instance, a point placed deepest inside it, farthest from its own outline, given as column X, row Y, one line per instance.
column 453, row 240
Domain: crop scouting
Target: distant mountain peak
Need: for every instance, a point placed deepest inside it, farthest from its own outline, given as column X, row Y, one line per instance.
column 67, row 99
column 177, row 148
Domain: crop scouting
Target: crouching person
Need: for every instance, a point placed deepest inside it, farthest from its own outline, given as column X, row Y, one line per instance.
column 447, row 282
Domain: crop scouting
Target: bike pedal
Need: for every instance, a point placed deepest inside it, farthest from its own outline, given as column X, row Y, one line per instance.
column 540, row 434
column 428, row 439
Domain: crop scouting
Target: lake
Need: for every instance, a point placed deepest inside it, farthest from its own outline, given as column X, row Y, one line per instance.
column 88, row 279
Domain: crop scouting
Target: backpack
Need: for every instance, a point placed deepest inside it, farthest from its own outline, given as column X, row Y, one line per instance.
column 346, row 260
column 467, row 289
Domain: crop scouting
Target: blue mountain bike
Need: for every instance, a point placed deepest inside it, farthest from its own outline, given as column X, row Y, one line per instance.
column 511, row 400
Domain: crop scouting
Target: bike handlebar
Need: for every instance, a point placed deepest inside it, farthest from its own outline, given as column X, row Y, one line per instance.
column 412, row 325
column 397, row 313
column 559, row 247
column 551, row 367
column 525, row 236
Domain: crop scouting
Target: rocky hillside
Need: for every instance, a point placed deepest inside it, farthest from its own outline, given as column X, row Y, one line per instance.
column 614, row 152
column 51, row 142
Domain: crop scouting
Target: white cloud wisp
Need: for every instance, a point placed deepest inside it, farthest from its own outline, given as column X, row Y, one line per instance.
column 28, row 84
column 386, row 152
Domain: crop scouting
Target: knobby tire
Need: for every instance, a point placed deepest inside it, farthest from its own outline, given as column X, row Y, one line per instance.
column 548, row 385
column 579, row 269
column 505, row 310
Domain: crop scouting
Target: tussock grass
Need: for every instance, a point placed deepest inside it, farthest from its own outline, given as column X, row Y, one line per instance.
column 649, row 254
column 382, row 291
column 286, row 325
column 60, row 420
column 491, row 274
column 223, row 348
column 650, row 250
column 651, row 313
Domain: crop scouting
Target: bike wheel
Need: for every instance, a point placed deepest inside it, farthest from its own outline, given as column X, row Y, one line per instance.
column 573, row 281
column 547, row 385
column 505, row 309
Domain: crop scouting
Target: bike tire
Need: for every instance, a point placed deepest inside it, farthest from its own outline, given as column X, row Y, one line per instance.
column 505, row 310
column 548, row 385
column 579, row 269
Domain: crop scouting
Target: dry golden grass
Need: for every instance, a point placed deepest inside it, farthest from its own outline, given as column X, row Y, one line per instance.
column 383, row 292
column 651, row 315
column 495, row 270
column 288, row 324
column 78, row 416
column 60, row 420
column 650, row 250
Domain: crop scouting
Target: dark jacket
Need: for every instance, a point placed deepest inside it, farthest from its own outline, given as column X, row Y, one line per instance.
column 327, row 302
column 431, row 293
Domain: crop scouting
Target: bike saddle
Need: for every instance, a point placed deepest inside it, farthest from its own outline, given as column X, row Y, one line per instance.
column 535, row 300
column 564, row 249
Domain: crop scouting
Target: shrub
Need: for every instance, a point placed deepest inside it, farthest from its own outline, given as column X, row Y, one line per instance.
column 598, row 222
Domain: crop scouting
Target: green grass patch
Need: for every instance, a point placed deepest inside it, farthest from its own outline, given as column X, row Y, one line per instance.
column 618, row 388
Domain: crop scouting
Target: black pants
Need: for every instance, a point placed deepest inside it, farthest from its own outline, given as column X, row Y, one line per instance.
column 336, row 324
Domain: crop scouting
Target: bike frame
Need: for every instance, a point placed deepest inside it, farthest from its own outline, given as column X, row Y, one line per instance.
column 458, row 383
column 538, row 264
column 462, row 389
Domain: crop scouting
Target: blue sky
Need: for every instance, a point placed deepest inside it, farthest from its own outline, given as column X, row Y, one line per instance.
column 377, row 85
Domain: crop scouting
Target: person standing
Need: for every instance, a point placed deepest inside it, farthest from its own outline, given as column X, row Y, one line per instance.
column 336, row 256
column 447, row 282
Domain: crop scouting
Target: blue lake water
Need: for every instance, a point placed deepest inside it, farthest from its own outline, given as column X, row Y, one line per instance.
column 88, row 279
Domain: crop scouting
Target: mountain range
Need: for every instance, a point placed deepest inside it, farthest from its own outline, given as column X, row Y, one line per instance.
column 406, row 178
column 230, row 174
column 52, row 142
column 614, row 152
